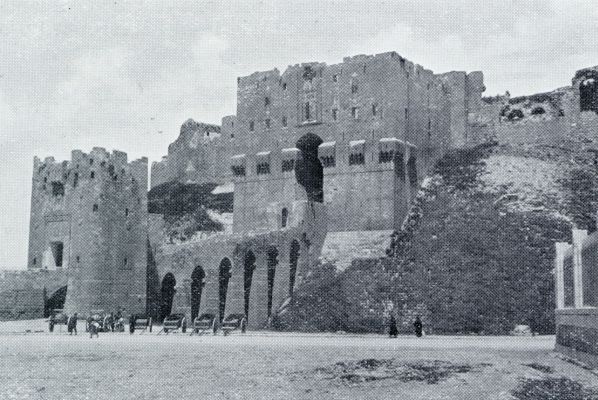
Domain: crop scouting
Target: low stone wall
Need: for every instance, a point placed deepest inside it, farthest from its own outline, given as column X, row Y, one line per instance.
column 577, row 334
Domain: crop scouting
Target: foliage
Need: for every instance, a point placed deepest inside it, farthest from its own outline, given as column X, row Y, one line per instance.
column 538, row 110
column 535, row 98
column 493, row 99
column 184, row 207
column 486, row 270
column 515, row 114
column 460, row 169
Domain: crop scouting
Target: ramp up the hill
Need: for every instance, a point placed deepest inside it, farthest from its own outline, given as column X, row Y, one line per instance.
column 340, row 248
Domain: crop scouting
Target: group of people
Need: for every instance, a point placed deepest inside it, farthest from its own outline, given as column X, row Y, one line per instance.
column 393, row 331
column 109, row 323
column 94, row 323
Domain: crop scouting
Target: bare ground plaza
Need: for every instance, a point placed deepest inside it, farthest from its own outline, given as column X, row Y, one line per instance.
column 275, row 365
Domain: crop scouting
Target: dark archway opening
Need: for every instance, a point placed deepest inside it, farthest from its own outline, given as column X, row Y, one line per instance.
column 308, row 169
column 197, row 283
column 167, row 295
column 224, row 275
column 57, row 252
column 272, row 263
column 55, row 301
column 412, row 170
column 293, row 260
column 285, row 217
column 248, row 268
column 588, row 93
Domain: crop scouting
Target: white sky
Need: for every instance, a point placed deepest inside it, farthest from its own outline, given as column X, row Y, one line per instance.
column 125, row 75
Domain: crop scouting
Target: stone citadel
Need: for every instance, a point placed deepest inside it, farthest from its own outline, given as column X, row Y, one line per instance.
column 323, row 160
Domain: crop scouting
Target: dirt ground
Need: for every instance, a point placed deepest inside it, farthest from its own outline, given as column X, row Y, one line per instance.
column 265, row 365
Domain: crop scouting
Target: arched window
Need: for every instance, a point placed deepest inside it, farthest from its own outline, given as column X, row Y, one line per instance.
column 307, row 111
column 285, row 215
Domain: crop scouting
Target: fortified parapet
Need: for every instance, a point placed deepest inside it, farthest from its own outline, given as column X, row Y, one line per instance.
column 367, row 184
column 89, row 217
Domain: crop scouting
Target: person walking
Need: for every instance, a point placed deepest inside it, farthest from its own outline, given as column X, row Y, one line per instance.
column 132, row 324
column 418, row 326
column 71, row 324
column 392, row 327
column 94, row 327
column 51, row 323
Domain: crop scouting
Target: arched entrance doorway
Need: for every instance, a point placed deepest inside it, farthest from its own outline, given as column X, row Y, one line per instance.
column 197, row 283
column 308, row 169
column 167, row 295
column 293, row 261
column 248, row 268
column 224, row 275
column 54, row 301
column 272, row 263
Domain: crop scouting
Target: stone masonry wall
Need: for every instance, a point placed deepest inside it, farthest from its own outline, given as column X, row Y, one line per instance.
column 22, row 292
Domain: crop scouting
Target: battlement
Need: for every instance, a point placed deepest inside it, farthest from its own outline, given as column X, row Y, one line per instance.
column 98, row 165
column 97, row 154
column 352, row 156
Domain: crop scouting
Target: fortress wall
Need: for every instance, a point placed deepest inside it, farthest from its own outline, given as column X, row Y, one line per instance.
column 361, row 196
column 99, row 214
column 256, row 195
column 551, row 132
column 22, row 292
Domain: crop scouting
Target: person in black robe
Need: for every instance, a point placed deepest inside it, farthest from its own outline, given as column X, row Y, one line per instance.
column 392, row 327
column 72, row 324
column 418, row 326
column 51, row 323
column 132, row 324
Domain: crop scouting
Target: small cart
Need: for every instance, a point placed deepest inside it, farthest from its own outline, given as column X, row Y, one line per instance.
column 234, row 322
column 204, row 324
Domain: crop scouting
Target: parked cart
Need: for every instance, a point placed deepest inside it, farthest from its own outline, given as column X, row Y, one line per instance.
column 174, row 323
column 140, row 322
column 234, row 322
column 204, row 323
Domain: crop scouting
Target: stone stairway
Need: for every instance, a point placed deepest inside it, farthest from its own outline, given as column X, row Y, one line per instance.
column 340, row 248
